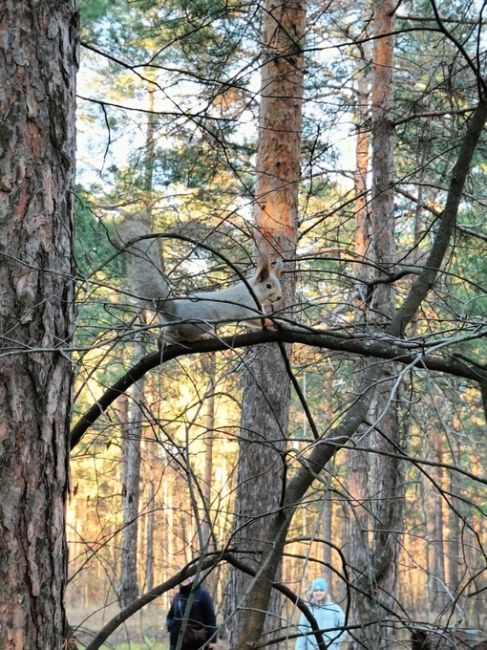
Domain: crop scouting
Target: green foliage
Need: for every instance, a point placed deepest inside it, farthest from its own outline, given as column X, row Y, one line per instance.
column 199, row 60
column 102, row 271
column 92, row 242
column 91, row 12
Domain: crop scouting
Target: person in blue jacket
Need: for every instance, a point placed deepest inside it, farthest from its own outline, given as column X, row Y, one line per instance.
column 328, row 615
column 200, row 614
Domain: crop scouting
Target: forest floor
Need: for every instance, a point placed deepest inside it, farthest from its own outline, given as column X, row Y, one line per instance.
column 146, row 630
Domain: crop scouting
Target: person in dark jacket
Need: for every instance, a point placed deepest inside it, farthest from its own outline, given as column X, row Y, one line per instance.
column 191, row 607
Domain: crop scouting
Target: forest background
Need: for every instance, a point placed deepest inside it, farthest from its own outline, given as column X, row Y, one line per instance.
column 168, row 128
column 346, row 139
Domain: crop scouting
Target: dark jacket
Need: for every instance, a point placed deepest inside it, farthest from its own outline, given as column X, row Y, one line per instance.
column 201, row 613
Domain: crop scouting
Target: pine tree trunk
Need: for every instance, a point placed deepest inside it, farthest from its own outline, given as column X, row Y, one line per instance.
column 206, row 532
column 265, row 409
column 358, row 520
column 434, row 528
column 362, row 160
column 376, row 538
column 132, row 443
column 37, row 81
column 454, row 554
column 131, row 452
column 149, row 538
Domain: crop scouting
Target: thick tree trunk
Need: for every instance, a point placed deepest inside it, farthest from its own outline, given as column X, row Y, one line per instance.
column 37, row 81
column 266, row 384
column 360, row 177
column 358, row 461
column 378, row 499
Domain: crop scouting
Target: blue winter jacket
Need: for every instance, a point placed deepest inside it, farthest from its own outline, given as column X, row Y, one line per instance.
column 328, row 616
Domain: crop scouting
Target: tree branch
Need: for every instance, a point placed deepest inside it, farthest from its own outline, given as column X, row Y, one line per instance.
column 199, row 565
column 447, row 223
column 414, row 354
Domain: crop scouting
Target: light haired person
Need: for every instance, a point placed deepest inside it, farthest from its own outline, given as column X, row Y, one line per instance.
column 328, row 616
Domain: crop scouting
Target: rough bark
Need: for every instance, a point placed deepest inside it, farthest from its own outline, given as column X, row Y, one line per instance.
column 131, row 452
column 375, row 486
column 37, row 141
column 132, row 440
column 207, row 538
column 435, row 533
column 266, row 384
column 149, row 537
column 358, row 461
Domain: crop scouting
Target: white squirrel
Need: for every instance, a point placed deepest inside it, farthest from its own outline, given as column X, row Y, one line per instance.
column 143, row 262
column 194, row 317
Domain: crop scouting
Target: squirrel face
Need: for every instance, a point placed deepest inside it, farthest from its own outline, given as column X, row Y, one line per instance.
column 266, row 284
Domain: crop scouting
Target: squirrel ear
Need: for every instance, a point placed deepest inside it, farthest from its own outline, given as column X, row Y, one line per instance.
column 263, row 270
column 278, row 267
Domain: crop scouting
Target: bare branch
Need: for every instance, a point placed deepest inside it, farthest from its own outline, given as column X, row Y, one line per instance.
column 413, row 354
column 447, row 224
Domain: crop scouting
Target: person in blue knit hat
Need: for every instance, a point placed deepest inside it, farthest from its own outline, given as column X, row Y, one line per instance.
column 328, row 615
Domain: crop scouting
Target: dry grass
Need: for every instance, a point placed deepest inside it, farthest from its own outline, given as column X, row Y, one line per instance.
column 146, row 630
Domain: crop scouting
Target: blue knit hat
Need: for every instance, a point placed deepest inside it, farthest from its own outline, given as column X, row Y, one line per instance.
column 319, row 583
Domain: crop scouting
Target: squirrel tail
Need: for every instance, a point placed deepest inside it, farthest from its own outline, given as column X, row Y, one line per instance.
column 143, row 261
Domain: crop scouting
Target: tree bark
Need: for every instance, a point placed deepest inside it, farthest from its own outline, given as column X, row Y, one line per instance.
column 207, row 535
column 149, row 537
column 376, row 485
column 435, row 527
column 132, row 441
column 358, row 519
column 37, row 139
column 265, row 409
column 131, row 453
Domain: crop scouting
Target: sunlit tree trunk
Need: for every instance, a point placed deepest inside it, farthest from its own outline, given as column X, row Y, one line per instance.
column 37, row 81
column 266, row 385
column 206, row 533
column 131, row 447
column 454, row 554
column 358, row 461
column 385, row 485
column 360, row 178
column 149, row 537
column 435, row 526
column 131, row 452
column 377, row 538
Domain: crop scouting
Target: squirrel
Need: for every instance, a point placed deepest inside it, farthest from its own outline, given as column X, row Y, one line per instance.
column 196, row 316
column 143, row 261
